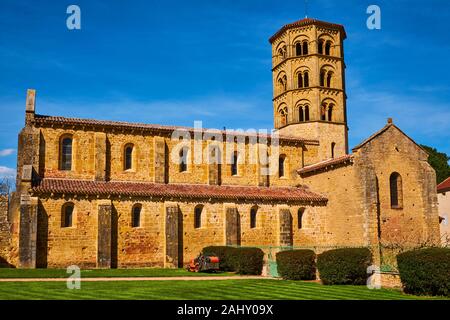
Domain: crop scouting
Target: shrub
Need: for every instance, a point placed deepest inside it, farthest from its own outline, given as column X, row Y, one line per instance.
column 344, row 266
column 249, row 261
column 425, row 271
column 227, row 256
column 241, row 260
column 297, row 264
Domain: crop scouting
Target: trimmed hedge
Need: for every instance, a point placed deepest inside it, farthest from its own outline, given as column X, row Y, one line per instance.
column 344, row 266
column 425, row 271
column 297, row 264
column 240, row 260
column 227, row 256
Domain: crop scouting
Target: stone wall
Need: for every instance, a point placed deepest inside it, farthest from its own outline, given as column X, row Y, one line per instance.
column 5, row 233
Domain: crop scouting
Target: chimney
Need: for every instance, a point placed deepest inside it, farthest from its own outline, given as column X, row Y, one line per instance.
column 390, row 121
column 30, row 106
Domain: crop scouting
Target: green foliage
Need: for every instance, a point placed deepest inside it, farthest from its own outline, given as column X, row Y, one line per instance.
column 439, row 162
column 297, row 264
column 344, row 266
column 425, row 271
column 240, row 260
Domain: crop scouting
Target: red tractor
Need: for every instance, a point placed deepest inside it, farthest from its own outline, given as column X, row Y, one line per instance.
column 204, row 263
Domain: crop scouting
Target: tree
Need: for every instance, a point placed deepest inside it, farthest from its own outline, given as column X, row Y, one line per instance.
column 439, row 161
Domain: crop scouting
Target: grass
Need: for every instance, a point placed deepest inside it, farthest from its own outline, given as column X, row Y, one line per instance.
column 95, row 273
column 196, row 290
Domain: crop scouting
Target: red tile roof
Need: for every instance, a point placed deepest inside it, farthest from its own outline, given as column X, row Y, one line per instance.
column 43, row 120
column 348, row 158
column 444, row 186
column 146, row 189
column 305, row 22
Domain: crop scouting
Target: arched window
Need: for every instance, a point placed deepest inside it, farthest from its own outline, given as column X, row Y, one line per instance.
column 330, row 112
column 332, row 149
column 283, row 116
column 306, row 79
column 322, row 78
column 300, row 80
column 328, row 48
column 301, row 115
column 323, row 114
column 305, row 47
column 395, row 181
column 66, row 153
column 329, row 76
column 198, row 216
column 253, row 212
column 183, row 159
column 128, row 157
column 67, row 215
column 234, row 163
column 306, row 113
column 136, row 216
column 320, row 47
column 298, row 49
column 284, row 82
column 300, row 213
column 281, row 164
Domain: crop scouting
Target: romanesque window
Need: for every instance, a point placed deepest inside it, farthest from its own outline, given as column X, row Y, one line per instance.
column 320, row 47
column 283, row 116
column 128, row 157
column 300, row 80
column 305, row 47
column 329, row 76
column 66, row 153
column 306, row 79
column 183, row 159
column 303, row 113
column 298, row 49
column 330, row 112
column 333, row 145
column 326, row 111
column 323, row 112
column 300, row 214
column 282, row 83
column 136, row 216
column 322, row 78
column 67, row 215
column 328, row 48
column 396, row 187
column 281, row 164
column 198, row 216
column 253, row 212
column 234, row 164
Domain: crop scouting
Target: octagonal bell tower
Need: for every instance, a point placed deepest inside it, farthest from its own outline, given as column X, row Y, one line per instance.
column 309, row 99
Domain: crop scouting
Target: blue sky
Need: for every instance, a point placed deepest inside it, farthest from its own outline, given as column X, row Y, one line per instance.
column 173, row 62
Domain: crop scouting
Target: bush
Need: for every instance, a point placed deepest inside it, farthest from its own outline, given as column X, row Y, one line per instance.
column 344, row 266
column 241, row 260
column 249, row 261
column 227, row 256
column 425, row 271
column 297, row 264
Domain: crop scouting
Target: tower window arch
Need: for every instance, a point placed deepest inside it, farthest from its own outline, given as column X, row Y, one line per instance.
column 136, row 216
column 67, row 215
column 320, row 47
column 333, row 145
column 283, row 116
column 128, row 157
column 396, row 188
column 330, row 112
column 329, row 77
column 323, row 112
column 300, row 80
column 306, row 113
column 198, row 210
column 322, row 78
column 300, row 214
column 305, row 47
column 183, row 159
column 301, row 115
column 306, row 79
column 234, row 163
column 253, row 216
column 66, row 153
column 298, row 49
column 328, row 48
column 281, row 165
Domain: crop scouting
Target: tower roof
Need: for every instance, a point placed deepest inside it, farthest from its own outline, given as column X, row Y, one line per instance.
column 305, row 22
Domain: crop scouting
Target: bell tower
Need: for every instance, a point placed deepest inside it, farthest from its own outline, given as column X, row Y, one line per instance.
column 309, row 99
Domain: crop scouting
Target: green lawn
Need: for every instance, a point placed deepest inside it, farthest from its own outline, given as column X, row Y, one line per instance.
column 95, row 273
column 207, row 289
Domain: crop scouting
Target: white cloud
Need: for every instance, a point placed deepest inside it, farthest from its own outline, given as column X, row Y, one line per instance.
column 6, row 152
column 6, row 172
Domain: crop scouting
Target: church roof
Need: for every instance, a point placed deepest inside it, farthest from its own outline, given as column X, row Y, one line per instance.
column 121, row 125
column 444, row 186
column 305, row 22
column 348, row 158
column 148, row 189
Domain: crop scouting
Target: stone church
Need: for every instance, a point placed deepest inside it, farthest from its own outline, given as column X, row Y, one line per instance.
column 109, row 194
